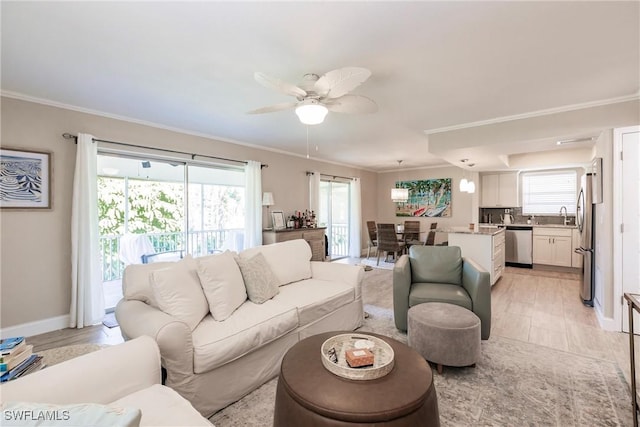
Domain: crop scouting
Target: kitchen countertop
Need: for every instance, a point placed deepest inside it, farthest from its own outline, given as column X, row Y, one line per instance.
column 487, row 230
column 533, row 225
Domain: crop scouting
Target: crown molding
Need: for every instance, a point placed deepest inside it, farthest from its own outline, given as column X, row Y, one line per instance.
column 50, row 103
column 537, row 113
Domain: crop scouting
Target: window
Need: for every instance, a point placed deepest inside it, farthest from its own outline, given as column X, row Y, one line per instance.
column 544, row 193
column 170, row 208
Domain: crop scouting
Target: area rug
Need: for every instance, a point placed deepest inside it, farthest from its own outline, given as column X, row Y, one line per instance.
column 373, row 263
column 514, row 383
column 57, row 355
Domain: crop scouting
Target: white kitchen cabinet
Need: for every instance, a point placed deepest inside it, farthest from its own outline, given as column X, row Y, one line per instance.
column 576, row 259
column 486, row 248
column 553, row 246
column 500, row 190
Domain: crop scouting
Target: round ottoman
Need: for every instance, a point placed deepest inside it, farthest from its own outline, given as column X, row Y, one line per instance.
column 309, row 395
column 444, row 334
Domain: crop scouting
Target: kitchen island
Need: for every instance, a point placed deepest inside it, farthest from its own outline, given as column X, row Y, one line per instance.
column 484, row 245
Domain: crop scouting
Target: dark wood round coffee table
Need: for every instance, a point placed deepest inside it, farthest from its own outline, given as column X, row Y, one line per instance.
column 309, row 395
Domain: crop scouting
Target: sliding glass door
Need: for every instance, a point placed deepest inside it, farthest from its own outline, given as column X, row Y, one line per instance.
column 334, row 214
column 158, row 210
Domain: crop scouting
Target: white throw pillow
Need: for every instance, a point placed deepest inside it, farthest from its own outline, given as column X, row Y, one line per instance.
column 178, row 292
column 290, row 261
column 261, row 283
column 82, row 414
column 222, row 283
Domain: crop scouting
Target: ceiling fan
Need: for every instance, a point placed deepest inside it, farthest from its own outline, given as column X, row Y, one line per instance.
column 317, row 95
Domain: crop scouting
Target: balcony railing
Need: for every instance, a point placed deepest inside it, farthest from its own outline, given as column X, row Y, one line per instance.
column 200, row 243
column 339, row 240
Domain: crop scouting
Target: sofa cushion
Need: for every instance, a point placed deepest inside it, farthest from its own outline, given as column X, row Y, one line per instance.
column 162, row 406
column 77, row 414
column 315, row 298
column 436, row 264
column 222, row 283
column 178, row 292
column 259, row 280
column 250, row 327
column 290, row 261
column 136, row 282
column 439, row 292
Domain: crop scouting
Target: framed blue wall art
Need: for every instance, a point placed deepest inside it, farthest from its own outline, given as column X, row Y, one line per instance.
column 427, row 198
column 25, row 179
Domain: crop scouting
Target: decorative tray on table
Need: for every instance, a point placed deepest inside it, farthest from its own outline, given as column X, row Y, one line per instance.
column 382, row 352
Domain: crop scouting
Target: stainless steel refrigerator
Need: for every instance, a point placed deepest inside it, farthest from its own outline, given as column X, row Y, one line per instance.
column 586, row 225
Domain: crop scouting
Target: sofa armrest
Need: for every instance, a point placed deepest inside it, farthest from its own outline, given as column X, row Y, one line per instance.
column 350, row 274
column 173, row 337
column 99, row 377
column 477, row 282
column 401, row 289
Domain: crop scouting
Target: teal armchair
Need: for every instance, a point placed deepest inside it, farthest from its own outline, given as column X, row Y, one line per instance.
column 440, row 274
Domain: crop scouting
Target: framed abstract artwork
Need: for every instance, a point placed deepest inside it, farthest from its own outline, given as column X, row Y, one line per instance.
column 25, row 179
column 427, row 197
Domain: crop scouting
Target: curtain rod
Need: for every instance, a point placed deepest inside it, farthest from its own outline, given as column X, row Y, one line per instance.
column 332, row 176
column 67, row 135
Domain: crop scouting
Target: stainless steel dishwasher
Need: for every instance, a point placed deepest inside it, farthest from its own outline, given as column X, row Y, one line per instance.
column 518, row 246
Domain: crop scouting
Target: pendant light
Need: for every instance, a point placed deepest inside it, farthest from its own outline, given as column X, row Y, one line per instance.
column 399, row 195
column 467, row 186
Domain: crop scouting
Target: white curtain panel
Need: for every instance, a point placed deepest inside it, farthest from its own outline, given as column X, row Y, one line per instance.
column 253, row 204
column 314, row 192
column 87, row 298
column 355, row 220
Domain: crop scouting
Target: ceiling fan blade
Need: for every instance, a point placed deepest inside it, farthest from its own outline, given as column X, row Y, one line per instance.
column 272, row 108
column 351, row 104
column 339, row 82
column 279, row 85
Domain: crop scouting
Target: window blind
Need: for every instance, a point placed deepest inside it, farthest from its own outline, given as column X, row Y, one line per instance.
column 544, row 193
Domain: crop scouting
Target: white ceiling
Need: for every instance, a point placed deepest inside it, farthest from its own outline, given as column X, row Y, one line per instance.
column 435, row 65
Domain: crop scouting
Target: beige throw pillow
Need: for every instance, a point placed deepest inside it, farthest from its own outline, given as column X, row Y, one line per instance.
column 261, row 283
column 178, row 292
column 222, row 283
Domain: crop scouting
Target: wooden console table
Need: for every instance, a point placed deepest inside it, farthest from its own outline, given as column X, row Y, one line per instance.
column 313, row 236
column 634, row 304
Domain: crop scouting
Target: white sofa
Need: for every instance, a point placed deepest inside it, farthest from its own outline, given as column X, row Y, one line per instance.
column 216, row 363
column 121, row 376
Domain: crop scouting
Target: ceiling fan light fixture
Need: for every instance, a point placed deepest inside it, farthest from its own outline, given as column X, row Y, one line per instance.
column 311, row 112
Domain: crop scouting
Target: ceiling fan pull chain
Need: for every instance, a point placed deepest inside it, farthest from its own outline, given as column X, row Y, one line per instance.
column 307, row 126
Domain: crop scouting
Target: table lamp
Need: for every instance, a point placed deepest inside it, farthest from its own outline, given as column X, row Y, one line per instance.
column 267, row 200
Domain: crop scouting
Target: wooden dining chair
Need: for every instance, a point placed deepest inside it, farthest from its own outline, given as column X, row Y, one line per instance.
column 431, row 237
column 411, row 235
column 373, row 238
column 388, row 242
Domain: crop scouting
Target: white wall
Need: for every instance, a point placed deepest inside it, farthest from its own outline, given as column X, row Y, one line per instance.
column 35, row 246
column 605, row 228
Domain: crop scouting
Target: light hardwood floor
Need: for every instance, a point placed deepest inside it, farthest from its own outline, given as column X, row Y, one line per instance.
column 537, row 306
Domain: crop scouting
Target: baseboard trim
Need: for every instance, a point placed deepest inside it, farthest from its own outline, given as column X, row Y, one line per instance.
column 606, row 323
column 35, row 328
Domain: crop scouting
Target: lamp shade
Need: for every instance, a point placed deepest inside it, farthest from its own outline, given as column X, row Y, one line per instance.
column 464, row 185
column 311, row 112
column 267, row 199
column 399, row 194
column 471, row 187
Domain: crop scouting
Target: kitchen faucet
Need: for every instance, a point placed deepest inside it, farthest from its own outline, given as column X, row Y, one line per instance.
column 565, row 214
